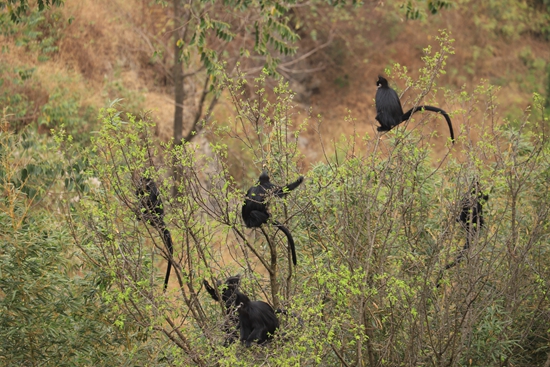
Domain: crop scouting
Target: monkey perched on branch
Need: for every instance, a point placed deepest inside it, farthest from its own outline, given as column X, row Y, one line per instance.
column 389, row 112
column 471, row 219
column 257, row 321
column 254, row 210
column 152, row 212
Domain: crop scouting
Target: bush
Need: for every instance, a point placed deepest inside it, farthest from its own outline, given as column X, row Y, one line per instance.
column 50, row 312
column 374, row 232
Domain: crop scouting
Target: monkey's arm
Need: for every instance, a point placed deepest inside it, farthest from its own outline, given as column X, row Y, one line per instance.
column 285, row 190
column 210, row 290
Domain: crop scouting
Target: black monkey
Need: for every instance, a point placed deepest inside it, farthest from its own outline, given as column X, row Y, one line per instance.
column 471, row 213
column 389, row 112
column 255, row 211
column 471, row 219
column 152, row 212
column 257, row 320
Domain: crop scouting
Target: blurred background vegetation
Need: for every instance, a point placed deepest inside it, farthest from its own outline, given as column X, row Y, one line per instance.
column 201, row 95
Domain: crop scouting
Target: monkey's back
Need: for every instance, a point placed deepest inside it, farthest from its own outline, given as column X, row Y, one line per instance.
column 152, row 209
column 389, row 112
column 258, row 314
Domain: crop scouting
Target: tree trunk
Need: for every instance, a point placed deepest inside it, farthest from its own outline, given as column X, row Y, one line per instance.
column 178, row 76
column 178, row 93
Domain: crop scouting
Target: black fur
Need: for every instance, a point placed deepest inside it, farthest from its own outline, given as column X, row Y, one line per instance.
column 471, row 218
column 257, row 321
column 152, row 212
column 389, row 112
column 471, row 213
column 255, row 211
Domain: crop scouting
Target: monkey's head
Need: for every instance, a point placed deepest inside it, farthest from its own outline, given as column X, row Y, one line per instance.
column 229, row 289
column 264, row 177
column 476, row 190
column 381, row 82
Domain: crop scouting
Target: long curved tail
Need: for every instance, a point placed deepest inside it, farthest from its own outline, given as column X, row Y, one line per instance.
column 167, row 238
column 290, row 240
column 407, row 115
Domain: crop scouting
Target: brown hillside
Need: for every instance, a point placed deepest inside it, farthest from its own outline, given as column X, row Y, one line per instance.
column 106, row 52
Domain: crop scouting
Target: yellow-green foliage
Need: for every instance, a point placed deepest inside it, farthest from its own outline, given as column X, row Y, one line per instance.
column 375, row 225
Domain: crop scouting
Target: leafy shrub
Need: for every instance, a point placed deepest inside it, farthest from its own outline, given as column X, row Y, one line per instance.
column 375, row 225
column 50, row 312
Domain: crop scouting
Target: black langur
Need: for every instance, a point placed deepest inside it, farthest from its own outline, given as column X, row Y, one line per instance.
column 471, row 219
column 471, row 214
column 389, row 112
column 152, row 212
column 256, row 319
column 255, row 211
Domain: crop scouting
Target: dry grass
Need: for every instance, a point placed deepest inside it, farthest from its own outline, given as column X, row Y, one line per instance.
column 113, row 41
column 479, row 55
